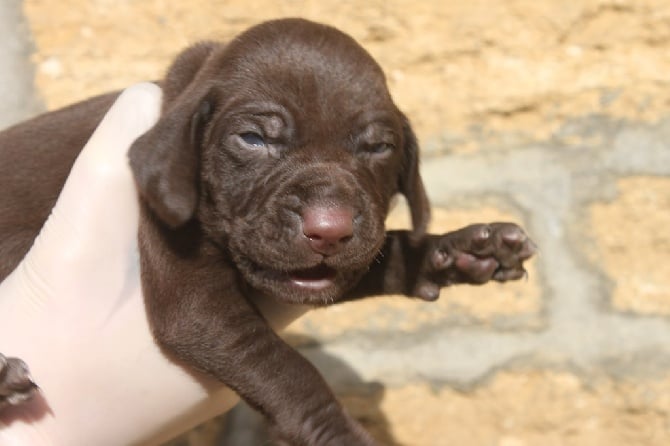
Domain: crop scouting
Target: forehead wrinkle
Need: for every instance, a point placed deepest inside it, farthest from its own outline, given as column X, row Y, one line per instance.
column 298, row 55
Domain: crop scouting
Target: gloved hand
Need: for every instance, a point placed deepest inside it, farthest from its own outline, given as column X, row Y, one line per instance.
column 73, row 311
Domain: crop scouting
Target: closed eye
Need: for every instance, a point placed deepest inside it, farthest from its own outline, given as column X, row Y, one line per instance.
column 253, row 139
column 380, row 149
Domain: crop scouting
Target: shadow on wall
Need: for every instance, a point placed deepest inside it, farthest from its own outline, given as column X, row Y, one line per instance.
column 245, row 427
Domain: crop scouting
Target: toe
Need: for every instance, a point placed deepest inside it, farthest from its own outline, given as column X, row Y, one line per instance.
column 513, row 237
column 479, row 270
column 481, row 236
column 441, row 260
column 513, row 246
column 428, row 291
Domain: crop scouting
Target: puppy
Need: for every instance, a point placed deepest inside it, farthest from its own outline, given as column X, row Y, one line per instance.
column 271, row 172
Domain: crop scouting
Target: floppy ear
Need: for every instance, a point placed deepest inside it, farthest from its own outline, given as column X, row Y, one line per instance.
column 411, row 185
column 165, row 160
column 185, row 68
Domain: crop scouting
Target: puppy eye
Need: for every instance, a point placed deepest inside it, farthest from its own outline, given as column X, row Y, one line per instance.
column 253, row 139
column 381, row 148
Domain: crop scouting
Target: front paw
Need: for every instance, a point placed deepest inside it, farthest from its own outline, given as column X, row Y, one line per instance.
column 16, row 385
column 475, row 254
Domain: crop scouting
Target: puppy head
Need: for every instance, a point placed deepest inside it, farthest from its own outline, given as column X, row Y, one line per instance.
column 287, row 147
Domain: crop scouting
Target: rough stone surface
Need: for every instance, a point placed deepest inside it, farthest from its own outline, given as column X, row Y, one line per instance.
column 550, row 113
column 641, row 216
column 492, row 73
column 506, row 412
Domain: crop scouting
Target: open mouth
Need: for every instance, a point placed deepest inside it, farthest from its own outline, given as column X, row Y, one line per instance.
column 316, row 278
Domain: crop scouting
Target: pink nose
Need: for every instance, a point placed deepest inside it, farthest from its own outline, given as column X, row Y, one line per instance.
column 328, row 228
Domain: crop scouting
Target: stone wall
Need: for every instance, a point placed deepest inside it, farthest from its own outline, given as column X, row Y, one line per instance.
column 554, row 114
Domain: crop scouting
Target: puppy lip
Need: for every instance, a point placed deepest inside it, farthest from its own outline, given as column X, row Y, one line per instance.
column 316, row 278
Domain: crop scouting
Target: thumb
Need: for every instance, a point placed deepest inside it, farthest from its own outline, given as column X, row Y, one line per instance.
column 94, row 222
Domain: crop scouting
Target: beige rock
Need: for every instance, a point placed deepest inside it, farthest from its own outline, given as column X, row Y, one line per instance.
column 633, row 244
column 459, row 69
column 517, row 408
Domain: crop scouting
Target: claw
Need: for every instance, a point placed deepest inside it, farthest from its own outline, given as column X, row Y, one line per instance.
column 530, row 249
column 503, row 275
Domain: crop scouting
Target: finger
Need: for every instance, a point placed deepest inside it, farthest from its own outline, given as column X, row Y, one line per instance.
column 93, row 225
column 101, row 171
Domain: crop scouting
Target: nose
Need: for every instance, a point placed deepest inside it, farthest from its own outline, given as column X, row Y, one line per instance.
column 328, row 228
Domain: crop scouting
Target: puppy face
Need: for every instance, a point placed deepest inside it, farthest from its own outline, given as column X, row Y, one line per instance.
column 288, row 148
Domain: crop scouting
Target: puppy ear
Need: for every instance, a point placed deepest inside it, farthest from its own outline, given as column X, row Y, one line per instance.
column 185, row 68
column 411, row 185
column 165, row 160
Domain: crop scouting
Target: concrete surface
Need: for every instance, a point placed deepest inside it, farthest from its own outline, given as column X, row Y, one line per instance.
column 551, row 114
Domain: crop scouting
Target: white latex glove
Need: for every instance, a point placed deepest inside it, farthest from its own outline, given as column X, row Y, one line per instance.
column 73, row 310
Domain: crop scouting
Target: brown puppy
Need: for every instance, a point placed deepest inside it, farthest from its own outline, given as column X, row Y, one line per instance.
column 270, row 171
